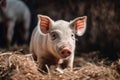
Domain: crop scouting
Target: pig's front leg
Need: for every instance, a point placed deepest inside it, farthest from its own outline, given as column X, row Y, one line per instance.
column 70, row 62
column 26, row 27
column 10, row 31
column 59, row 68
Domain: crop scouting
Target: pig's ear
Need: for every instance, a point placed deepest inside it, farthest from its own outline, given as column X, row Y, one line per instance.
column 79, row 25
column 3, row 3
column 44, row 23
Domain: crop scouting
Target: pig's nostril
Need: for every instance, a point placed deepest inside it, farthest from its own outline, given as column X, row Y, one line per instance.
column 62, row 52
column 68, row 52
column 65, row 53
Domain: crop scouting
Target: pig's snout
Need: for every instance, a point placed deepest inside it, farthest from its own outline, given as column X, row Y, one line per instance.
column 65, row 52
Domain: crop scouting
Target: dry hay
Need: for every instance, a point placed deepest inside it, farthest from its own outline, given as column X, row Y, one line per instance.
column 21, row 67
column 17, row 67
column 86, row 72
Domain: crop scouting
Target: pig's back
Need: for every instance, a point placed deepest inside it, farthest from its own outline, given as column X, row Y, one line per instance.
column 16, row 9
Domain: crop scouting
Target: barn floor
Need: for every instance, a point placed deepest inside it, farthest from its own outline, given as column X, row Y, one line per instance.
column 16, row 66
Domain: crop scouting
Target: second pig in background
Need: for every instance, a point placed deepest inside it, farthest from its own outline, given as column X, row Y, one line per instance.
column 16, row 19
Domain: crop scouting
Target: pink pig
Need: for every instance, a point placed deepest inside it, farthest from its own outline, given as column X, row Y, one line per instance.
column 53, row 42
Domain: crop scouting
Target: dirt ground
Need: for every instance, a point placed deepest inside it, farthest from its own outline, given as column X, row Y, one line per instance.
column 17, row 64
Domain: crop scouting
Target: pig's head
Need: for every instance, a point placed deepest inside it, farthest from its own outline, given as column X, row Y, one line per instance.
column 61, row 34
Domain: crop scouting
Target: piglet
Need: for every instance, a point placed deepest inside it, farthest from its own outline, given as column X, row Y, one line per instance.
column 53, row 42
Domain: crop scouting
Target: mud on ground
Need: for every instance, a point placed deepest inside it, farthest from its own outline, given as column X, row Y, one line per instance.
column 17, row 64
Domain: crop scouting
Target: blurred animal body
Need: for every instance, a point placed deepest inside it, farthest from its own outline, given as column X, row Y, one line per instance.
column 53, row 42
column 15, row 11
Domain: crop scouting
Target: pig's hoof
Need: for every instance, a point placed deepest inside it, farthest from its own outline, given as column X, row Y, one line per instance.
column 60, row 70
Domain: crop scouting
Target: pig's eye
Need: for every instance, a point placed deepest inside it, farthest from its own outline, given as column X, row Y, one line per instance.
column 73, row 36
column 54, row 35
